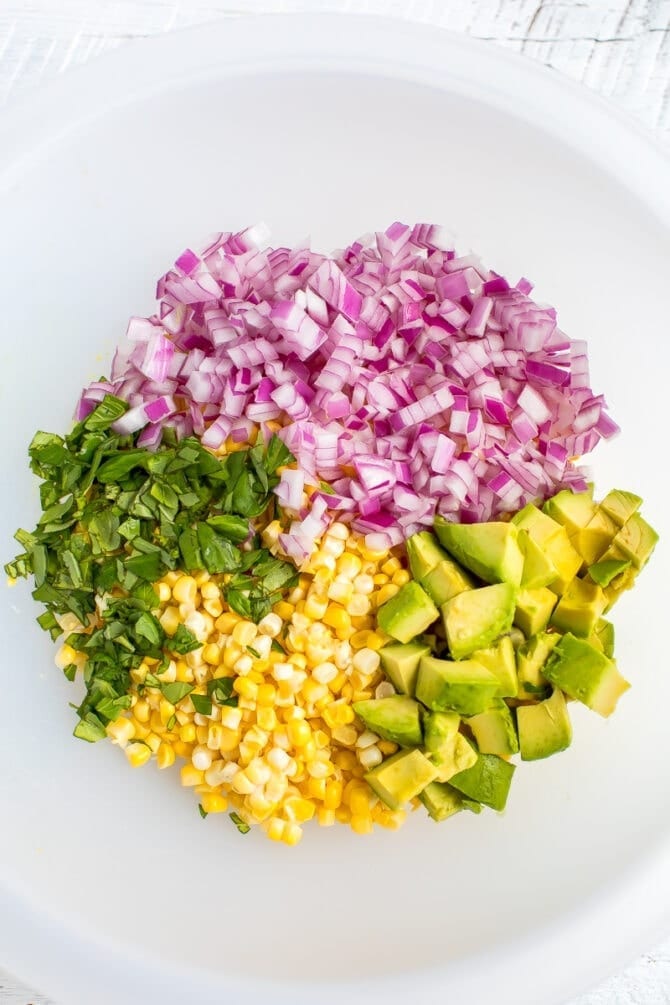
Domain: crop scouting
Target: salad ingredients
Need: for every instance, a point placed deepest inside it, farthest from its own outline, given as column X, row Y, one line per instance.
column 409, row 379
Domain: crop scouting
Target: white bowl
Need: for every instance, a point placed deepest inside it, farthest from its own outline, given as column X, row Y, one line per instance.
column 111, row 886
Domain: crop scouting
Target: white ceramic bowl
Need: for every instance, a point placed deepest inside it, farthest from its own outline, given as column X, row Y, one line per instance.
column 111, row 886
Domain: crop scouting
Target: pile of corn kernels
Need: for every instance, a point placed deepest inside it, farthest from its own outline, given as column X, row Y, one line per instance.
column 292, row 749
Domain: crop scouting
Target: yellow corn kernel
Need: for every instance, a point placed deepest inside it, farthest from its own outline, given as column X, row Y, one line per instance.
column 266, row 718
column 380, row 579
column 201, row 578
column 214, row 607
column 165, row 756
column 229, row 739
column 164, row 592
column 338, row 713
column 245, row 688
column 358, row 606
column 386, row 592
column 400, row 577
column 201, row 733
column 336, row 617
column 299, row 732
column 231, row 717
column 213, row 802
column 231, row 655
column 392, row 819
column 349, row 565
column 121, row 731
column 275, row 829
column 226, row 622
column 376, row 640
column 187, row 732
column 137, row 754
column 185, row 590
column 333, row 794
column 259, row 806
column 171, row 578
column 308, row 751
column 325, row 817
column 283, row 610
column 266, row 694
column 387, row 747
column 184, row 672
column 211, row 654
column 166, row 710
column 142, row 711
column 298, row 810
column 170, row 620
column 321, row 739
column 315, row 607
column 141, row 731
column 337, row 682
column 360, row 799
column 182, row 749
column 191, row 776
column 343, row 814
column 242, row 784
column 292, row 834
column 316, row 788
column 361, row 825
column 313, row 691
column 244, row 633
column 346, row 735
column 320, row 583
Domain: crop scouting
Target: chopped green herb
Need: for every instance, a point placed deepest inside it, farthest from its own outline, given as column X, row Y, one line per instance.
column 171, row 723
column 175, row 691
column 183, row 641
column 202, row 703
column 254, row 652
column 203, row 813
column 239, row 823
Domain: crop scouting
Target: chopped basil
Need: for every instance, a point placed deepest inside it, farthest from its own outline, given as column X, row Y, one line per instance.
column 202, row 703
column 203, row 813
column 239, row 823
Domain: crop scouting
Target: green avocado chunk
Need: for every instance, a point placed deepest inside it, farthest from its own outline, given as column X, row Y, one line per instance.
column 409, row 613
column 593, row 540
column 439, row 729
column 401, row 777
column 441, row 800
column 494, row 731
column 579, row 608
column 424, row 553
column 456, row 755
column 530, row 659
column 475, row 619
column 604, row 571
column 397, row 718
column 604, row 631
column 490, row 550
column 620, row 506
column 500, row 660
column 571, row 509
column 636, row 540
column 533, row 609
column 400, row 663
column 537, row 569
column 545, row 728
column 465, row 686
column 445, row 581
column 553, row 539
column 488, row 781
column 582, row 672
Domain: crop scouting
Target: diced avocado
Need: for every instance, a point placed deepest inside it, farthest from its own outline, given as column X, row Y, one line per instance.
column 579, row 608
column 439, row 728
column 624, row 581
column 537, row 569
column 397, row 718
column 445, row 581
column 545, row 728
column 401, row 777
column 490, row 550
column 400, row 663
column 424, row 553
column 516, row 637
column 464, row 686
column 593, row 540
column 605, row 632
column 409, row 613
column 571, row 509
column 500, row 660
column 604, row 571
column 441, row 800
column 494, row 731
column 533, row 609
column 488, row 781
column 475, row 619
column 636, row 539
column 620, row 506
column 553, row 539
column 457, row 755
column 530, row 659
column 582, row 672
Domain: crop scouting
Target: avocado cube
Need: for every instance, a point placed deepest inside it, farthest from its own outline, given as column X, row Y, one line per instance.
column 445, row 581
column 545, row 728
column 585, row 674
column 624, row 581
column 571, row 509
column 423, row 553
column 605, row 632
column 636, row 539
column 409, row 613
column 500, row 660
column 553, row 539
column 488, row 781
column 540, row 527
column 620, row 506
column 494, row 731
column 530, row 659
column 465, row 687
column 593, row 540
column 439, row 729
column 476, row 618
column 579, row 608
column 533, row 609
column 604, row 571
column 490, row 550
column 456, row 755
column 537, row 569
column 441, row 801
column 397, row 718
column 401, row 777
column 400, row 663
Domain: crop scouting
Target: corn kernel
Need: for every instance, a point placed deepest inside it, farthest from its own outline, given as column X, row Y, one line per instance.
column 316, row 788
column 166, row 711
column 164, row 592
column 226, row 622
column 400, row 577
column 190, row 775
column 387, row 747
column 138, row 754
column 229, row 740
column 299, row 732
column 292, row 834
column 333, row 794
column 231, row 717
column 358, row 606
column 242, row 784
column 361, row 825
column 346, row 735
column 142, row 711
column 386, row 593
column 214, row 803
column 170, row 620
column 326, row 818
column 370, row 757
column 185, row 590
column 121, row 731
column 298, row 810
column 165, row 756
column 315, row 607
column 275, row 829
column 211, row 654
column 244, row 633
column 266, row 718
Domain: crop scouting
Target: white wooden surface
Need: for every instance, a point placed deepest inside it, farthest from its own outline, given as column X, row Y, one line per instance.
column 620, row 48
